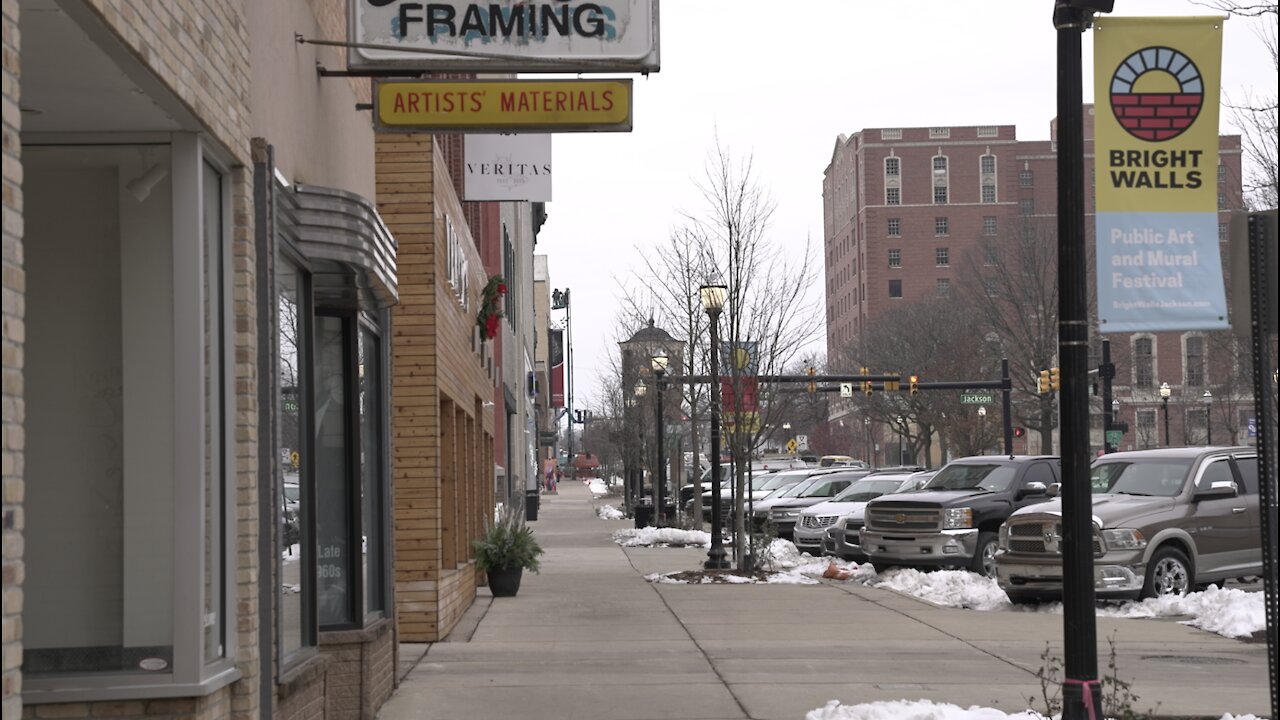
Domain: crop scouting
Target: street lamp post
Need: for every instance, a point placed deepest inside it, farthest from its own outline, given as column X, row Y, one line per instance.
column 659, row 361
column 902, row 451
column 639, row 392
column 1208, row 417
column 713, row 296
column 1115, row 419
column 629, row 471
column 1165, row 392
column 866, row 423
column 982, row 413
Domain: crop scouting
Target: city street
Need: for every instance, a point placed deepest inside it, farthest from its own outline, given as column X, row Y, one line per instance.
column 590, row 638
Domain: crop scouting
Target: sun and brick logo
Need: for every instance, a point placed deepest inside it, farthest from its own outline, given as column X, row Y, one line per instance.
column 1156, row 116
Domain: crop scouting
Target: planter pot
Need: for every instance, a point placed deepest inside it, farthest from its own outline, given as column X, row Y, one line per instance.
column 505, row 582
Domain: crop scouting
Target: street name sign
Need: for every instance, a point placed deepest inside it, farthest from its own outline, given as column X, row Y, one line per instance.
column 977, row 398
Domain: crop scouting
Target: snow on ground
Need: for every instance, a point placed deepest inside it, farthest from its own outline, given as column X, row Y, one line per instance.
column 597, row 487
column 662, row 537
column 929, row 710
column 1228, row 612
column 609, row 512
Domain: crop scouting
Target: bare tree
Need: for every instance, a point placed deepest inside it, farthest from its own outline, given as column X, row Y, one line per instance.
column 933, row 339
column 1016, row 297
column 1256, row 112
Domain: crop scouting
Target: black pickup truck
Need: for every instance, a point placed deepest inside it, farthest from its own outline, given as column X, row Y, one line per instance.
column 954, row 520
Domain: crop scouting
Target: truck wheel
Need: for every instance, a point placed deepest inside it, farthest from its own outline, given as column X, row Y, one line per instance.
column 984, row 555
column 880, row 567
column 1168, row 573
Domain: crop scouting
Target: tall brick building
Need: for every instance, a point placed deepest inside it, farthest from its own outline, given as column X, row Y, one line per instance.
column 904, row 209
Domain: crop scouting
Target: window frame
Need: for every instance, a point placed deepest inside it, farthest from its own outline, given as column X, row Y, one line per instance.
column 893, row 196
column 942, row 256
column 894, row 227
column 941, row 226
column 894, row 257
column 189, row 674
column 891, row 288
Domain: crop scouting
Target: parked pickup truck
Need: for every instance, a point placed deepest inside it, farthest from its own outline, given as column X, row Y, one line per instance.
column 1165, row 522
column 955, row 519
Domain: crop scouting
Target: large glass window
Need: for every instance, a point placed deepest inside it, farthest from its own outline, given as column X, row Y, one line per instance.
column 334, row 599
column 939, row 194
column 215, row 409
column 893, row 196
column 128, row 447
column 371, row 469
column 295, row 618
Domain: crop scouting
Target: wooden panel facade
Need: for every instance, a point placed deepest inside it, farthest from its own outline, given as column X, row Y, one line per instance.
column 442, row 431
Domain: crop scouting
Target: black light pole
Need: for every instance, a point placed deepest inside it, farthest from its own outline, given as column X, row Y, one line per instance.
column 1208, row 417
column 660, row 482
column 1107, row 372
column 1165, row 392
column 1081, row 692
column 713, row 297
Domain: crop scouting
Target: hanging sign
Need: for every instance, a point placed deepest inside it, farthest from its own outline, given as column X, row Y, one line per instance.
column 507, row 167
column 506, row 36
column 1156, row 156
column 503, row 105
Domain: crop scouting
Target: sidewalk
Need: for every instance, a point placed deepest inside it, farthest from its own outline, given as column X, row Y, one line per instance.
column 590, row 639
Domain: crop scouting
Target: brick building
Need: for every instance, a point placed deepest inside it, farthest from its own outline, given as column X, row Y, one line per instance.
column 906, row 208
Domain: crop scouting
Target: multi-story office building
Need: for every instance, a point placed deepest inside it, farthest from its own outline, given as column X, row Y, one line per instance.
column 905, row 209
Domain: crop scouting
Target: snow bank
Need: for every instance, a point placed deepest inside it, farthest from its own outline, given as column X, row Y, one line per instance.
column 609, row 512
column 929, row 710
column 662, row 537
column 597, row 487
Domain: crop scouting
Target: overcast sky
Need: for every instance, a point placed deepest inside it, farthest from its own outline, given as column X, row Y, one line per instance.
column 780, row 81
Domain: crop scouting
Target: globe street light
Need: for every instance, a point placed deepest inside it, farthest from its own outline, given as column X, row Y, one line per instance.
column 659, row 362
column 1165, row 392
column 1208, row 424
column 713, row 296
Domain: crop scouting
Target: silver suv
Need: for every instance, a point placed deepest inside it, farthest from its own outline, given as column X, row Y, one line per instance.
column 1165, row 521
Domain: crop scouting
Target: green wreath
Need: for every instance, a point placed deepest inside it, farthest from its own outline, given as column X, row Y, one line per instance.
column 490, row 306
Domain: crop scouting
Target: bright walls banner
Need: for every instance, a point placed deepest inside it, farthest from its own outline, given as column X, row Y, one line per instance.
column 555, row 358
column 1156, row 95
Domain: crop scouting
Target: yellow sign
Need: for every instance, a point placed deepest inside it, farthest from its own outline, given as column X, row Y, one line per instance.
column 1156, row 113
column 504, row 105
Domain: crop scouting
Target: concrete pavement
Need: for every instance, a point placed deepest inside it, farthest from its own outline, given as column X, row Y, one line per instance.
column 590, row 639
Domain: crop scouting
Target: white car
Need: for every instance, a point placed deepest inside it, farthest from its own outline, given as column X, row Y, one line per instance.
column 816, row 525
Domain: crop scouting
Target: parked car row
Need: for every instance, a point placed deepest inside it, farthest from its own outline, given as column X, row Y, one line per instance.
column 1165, row 522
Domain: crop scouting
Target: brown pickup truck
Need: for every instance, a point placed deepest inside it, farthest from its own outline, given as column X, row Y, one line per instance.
column 1164, row 523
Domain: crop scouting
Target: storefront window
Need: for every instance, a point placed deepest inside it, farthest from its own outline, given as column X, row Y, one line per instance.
column 128, row 400
column 290, row 454
column 371, row 469
column 332, row 472
column 215, row 409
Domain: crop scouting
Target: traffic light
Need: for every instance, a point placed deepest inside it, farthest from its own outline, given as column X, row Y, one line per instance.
column 1055, row 383
column 1019, row 431
column 813, row 386
column 915, row 384
column 866, row 384
column 1042, row 382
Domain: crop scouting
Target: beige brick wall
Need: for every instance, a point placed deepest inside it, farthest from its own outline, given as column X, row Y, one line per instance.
column 11, row 343
column 200, row 50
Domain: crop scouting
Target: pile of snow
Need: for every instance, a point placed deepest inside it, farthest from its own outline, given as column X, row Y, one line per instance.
column 662, row 537
column 1231, row 612
column 929, row 710
column 597, row 487
column 609, row 512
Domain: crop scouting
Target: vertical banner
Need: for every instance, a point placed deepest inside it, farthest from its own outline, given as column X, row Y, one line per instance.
column 739, row 394
column 1156, row 89
column 555, row 358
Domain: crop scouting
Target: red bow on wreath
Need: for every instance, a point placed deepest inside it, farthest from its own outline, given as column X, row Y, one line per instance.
column 490, row 297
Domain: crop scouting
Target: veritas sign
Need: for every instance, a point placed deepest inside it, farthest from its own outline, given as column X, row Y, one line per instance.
column 507, row 167
column 604, row 36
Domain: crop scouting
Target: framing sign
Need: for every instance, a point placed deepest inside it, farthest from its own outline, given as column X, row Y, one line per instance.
column 503, row 105
column 506, row 36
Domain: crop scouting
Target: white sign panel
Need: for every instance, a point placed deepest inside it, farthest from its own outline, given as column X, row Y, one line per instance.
column 508, row 167
column 505, row 35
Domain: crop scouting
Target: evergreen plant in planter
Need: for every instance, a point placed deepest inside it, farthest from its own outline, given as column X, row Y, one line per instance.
column 504, row 551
